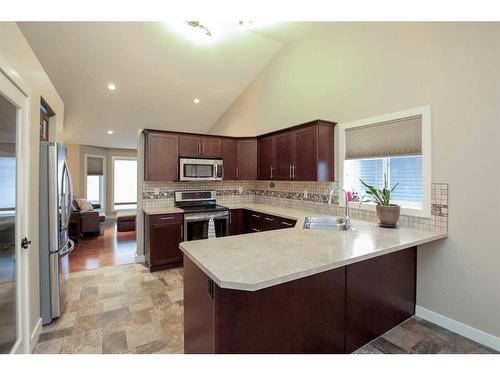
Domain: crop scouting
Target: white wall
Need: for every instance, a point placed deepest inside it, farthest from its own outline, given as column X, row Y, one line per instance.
column 20, row 63
column 359, row 70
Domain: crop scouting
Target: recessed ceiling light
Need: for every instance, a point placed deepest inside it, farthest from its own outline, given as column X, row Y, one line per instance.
column 110, row 132
column 112, row 86
column 196, row 100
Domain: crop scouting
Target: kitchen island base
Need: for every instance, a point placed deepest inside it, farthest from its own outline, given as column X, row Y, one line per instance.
column 335, row 311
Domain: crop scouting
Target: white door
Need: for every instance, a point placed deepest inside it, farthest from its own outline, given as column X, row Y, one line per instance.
column 14, row 179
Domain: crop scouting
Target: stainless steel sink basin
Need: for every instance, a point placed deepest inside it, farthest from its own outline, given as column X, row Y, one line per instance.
column 325, row 223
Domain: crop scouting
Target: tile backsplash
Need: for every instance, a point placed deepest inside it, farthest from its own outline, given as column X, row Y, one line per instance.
column 311, row 196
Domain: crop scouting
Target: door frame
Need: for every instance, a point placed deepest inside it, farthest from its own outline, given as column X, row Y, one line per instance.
column 13, row 92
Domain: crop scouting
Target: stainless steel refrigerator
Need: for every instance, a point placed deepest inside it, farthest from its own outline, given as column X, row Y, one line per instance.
column 56, row 198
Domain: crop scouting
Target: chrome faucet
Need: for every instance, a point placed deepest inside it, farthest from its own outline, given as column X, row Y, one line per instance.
column 347, row 219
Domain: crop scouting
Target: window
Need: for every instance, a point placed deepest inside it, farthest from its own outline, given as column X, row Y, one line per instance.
column 124, row 184
column 396, row 147
column 95, row 188
column 7, row 184
column 405, row 170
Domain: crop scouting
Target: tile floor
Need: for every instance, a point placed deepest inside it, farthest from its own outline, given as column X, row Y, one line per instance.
column 127, row 309
column 119, row 309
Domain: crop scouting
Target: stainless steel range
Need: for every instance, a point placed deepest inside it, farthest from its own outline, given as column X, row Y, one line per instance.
column 199, row 207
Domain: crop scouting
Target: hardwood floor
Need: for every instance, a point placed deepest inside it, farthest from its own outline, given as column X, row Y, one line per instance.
column 109, row 249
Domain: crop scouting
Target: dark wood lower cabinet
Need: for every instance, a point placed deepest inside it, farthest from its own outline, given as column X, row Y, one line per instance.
column 380, row 294
column 236, row 221
column 302, row 316
column 163, row 233
column 336, row 311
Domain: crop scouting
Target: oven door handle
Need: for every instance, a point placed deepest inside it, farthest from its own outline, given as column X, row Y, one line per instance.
column 189, row 219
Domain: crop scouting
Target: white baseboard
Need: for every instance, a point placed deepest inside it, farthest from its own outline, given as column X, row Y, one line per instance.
column 474, row 334
column 140, row 258
column 35, row 335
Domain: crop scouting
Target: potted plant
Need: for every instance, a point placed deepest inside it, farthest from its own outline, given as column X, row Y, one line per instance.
column 387, row 213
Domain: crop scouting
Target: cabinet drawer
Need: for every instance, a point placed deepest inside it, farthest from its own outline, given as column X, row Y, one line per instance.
column 287, row 223
column 166, row 218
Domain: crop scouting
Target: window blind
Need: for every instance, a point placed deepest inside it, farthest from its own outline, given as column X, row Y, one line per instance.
column 95, row 166
column 402, row 137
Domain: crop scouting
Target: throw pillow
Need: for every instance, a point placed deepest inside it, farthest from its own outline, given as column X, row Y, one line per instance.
column 84, row 205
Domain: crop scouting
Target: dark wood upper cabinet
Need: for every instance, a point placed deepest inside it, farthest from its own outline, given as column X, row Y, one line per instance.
column 196, row 146
column 306, row 148
column 301, row 153
column 211, row 147
column 189, row 145
column 285, row 155
column 161, row 156
column 246, row 159
column 228, row 152
column 266, row 160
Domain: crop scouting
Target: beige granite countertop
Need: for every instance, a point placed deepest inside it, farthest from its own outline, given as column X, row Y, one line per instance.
column 162, row 210
column 259, row 260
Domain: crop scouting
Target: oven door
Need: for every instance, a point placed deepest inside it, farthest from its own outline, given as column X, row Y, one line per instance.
column 196, row 226
column 200, row 169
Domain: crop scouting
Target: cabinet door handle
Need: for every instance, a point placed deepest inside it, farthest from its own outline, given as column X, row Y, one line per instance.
column 202, row 148
column 211, row 288
column 182, row 232
column 237, row 173
column 293, row 172
column 167, row 218
column 268, row 219
column 230, row 218
column 287, row 224
column 271, row 173
column 255, row 230
column 290, row 171
column 257, row 216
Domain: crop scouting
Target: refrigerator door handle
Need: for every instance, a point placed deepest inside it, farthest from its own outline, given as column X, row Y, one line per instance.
column 69, row 248
column 66, row 197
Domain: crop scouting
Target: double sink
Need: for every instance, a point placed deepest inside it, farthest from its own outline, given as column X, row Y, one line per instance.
column 326, row 223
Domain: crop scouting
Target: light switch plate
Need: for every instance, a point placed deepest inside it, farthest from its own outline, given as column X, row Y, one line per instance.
column 157, row 191
column 305, row 194
column 240, row 189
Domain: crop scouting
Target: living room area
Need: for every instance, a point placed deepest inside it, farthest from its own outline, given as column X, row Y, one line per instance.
column 102, row 222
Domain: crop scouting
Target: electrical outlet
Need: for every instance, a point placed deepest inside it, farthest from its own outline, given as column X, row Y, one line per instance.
column 305, row 194
column 240, row 189
column 157, row 191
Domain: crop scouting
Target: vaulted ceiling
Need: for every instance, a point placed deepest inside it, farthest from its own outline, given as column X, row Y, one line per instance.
column 157, row 72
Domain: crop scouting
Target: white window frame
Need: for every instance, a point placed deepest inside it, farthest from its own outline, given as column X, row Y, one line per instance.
column 86, row 156
column 425, row 113
column 113, row 158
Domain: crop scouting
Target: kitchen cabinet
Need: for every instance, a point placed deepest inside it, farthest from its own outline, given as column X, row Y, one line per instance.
column 335, row 311
column 229, row 150
column 236, row 222
column 199, row 146
column 260, row 222
column 302, row 153
column 246, row 155
column 266, row 165
column 161, row 156
column 285, row 155
column 163, row 233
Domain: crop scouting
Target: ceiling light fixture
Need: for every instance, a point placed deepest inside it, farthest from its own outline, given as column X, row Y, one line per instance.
column 197, row 24
column 110, row 132
column 196, row 100
column 112, row 86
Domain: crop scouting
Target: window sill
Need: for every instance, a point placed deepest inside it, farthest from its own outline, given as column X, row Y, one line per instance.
column 405, row 210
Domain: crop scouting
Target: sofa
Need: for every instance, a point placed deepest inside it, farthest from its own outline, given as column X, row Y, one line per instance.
column 85, row 219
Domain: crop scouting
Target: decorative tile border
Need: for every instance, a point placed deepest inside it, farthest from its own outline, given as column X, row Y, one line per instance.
column 292, row 194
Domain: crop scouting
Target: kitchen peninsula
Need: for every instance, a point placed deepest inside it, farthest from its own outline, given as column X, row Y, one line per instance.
column 298, row 291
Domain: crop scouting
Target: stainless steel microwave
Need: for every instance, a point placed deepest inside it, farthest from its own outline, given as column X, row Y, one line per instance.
column 193, row 169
